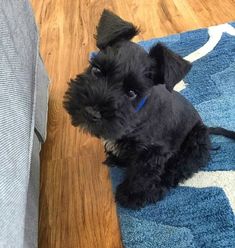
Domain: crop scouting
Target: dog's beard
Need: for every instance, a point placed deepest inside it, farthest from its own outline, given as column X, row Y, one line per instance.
column 109, row 129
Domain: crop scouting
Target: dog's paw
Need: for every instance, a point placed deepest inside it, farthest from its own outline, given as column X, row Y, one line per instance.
column 128, row 199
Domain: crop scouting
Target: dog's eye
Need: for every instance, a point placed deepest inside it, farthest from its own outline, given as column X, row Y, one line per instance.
column 96, row 71
column 131, row 94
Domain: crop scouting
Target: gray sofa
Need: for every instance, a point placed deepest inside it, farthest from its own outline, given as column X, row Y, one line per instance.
column 23, row 117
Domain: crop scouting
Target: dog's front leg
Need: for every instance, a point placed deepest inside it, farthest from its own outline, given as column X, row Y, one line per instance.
column 143, row 182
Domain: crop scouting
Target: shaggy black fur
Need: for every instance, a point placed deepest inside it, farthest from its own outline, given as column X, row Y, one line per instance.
column 160, row 144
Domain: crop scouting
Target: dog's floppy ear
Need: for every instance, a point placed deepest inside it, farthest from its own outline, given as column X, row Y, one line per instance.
column 112, row 28
column 171, row 68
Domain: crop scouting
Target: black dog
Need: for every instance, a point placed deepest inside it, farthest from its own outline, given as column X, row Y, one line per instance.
column 126, row 97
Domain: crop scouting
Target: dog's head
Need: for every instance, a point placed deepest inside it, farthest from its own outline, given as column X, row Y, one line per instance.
column 109, row 98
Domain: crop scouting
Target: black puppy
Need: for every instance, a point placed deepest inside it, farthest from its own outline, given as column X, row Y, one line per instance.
column 126, row 97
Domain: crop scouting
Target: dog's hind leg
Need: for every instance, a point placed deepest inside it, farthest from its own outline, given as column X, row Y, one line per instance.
column 153, row 173
column 194, row 154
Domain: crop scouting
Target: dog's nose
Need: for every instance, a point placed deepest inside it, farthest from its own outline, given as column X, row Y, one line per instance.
column 94, row 114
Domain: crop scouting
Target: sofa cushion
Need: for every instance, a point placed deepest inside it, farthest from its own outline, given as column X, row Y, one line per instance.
column 23, row 107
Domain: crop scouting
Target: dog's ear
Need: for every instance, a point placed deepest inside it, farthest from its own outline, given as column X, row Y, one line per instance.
column 112, row 28
column 171, row 68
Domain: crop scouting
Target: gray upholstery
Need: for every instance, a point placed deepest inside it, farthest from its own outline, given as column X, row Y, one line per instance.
column 23, row 108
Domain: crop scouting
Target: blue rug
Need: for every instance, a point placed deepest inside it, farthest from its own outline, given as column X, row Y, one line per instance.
column 199, row 213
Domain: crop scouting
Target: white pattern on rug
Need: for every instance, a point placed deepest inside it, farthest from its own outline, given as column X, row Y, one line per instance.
column 222, row 179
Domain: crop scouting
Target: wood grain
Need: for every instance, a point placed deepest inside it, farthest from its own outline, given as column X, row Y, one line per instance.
column 76, row 202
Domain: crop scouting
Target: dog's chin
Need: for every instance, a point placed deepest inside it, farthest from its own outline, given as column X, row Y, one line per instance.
column 100, row 131
column 106, row 134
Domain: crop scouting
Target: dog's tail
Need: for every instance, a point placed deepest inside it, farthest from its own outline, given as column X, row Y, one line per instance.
column 222, row 131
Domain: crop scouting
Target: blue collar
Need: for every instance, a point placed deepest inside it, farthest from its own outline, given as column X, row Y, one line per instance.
column 141, row 104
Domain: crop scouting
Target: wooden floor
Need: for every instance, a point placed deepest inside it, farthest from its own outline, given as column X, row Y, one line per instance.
column 76, row 202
